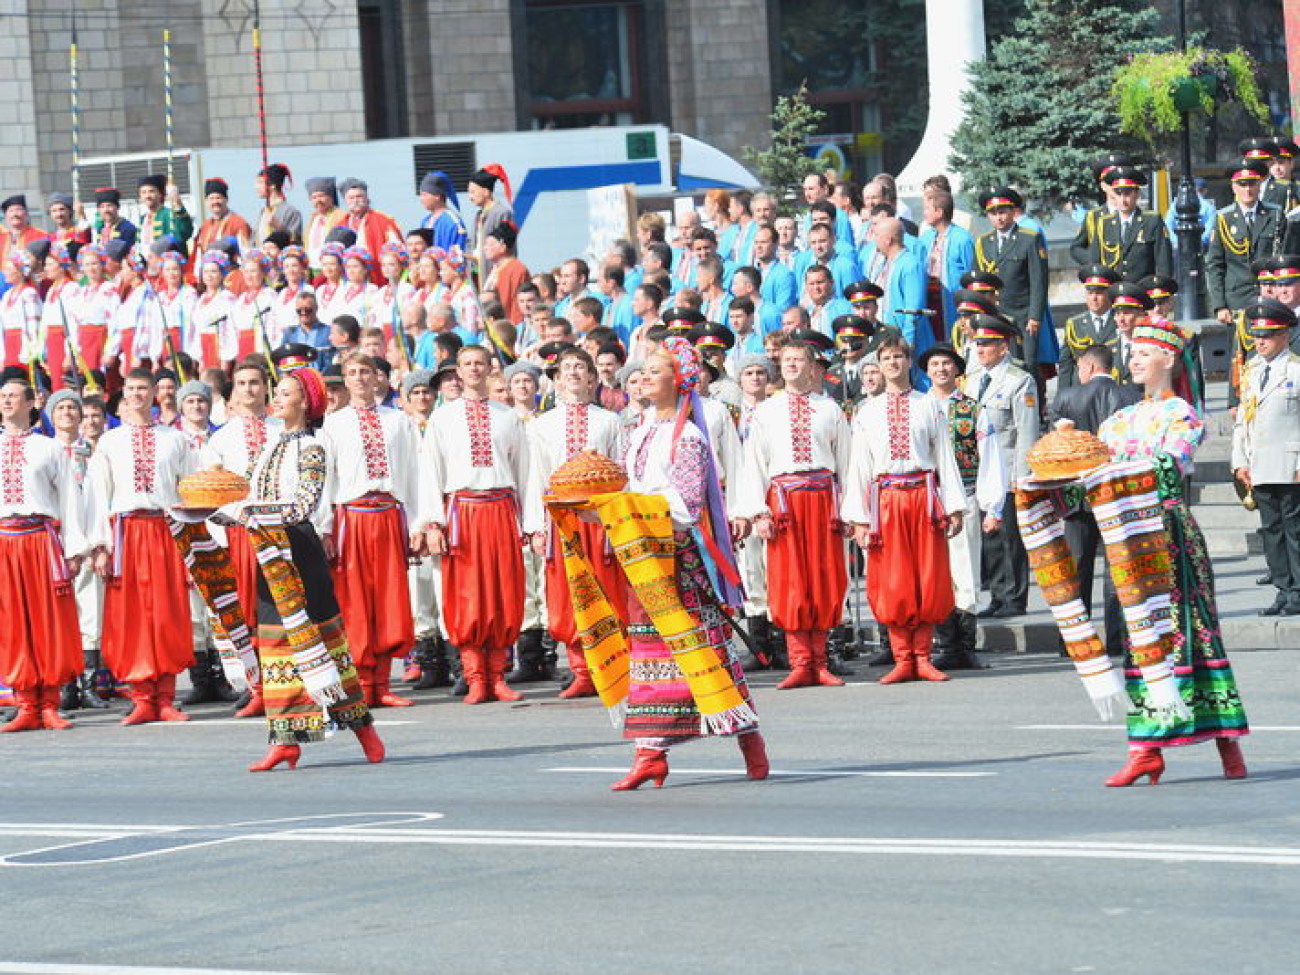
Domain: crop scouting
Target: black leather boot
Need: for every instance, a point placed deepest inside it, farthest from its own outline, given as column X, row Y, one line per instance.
column 70, row 696
column 751, row 662
column 220, row 683
column 435, row 669
column 885, row 655
column 777, row 652
column 954, row 641
column 530, row 658
column 89, row 695
column 461, row 686
column 835, row 652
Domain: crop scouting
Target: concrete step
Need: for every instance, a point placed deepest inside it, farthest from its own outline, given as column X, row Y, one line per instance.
column 1232, row 543
column 1210, row 469
column 1225, row 516
column 1248, row 631
column 1219, row 492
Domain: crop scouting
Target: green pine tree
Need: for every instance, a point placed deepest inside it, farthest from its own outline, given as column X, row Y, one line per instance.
column 1039, row 110
column 782, row 166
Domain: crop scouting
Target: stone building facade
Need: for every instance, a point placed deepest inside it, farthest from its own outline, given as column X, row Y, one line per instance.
column 347, row 70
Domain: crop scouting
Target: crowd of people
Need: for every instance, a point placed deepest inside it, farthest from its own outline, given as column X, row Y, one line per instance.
column 822, row 397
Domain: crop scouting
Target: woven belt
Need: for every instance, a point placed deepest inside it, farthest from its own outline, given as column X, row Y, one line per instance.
column 784, row 485
column 16, row 525
column 913, row 481
column 458, row 498
column 146, row 514
column 370, row 503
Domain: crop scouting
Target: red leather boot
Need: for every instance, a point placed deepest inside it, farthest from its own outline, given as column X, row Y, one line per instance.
column 800, row 651
column 256, row 707
column 371, row 743
column 50, row 717
column 474, row 669
column 822, row 672
column 165, row 700
column 1141, row 761
column 582, row 685
column 651, row 763
column 384, row 696
column 28, row 717
column 143, row 709
column 288, row 754
column 497, row 675
column 754, row 749
column 1234, row 763
column 900, row 644
column 922, row 642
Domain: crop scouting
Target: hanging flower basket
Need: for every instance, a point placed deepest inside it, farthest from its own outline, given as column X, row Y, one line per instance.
column 1155, row 92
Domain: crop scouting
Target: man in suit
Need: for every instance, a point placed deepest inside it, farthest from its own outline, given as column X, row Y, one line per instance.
column 1244, row 230
column 1129, row 304
column 1095, row 325
column 1134, row 243
column 1266, row 446
column 1008, row 396
column 1015, row 255
column 1087, row 404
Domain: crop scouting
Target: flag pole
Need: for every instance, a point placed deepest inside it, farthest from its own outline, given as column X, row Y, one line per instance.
column 257, row 68
column 76, row 114
column 167, row 101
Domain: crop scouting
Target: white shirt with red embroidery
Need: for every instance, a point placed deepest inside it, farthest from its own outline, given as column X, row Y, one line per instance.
column 178, row 312
column 141, row 315
column 212, row 313
column 135, row 468
column 329, row 301
column 371, row 451
column 357, row 300
column 387, row 304
column 59, row 311
column 237, row 445
column 20, row 311
column 244, row 314
column 788, row 434
column 96, row 304
column 470, row 445
column 37, row 478
column 553, row 438
column 285, row 306
column 901, row 433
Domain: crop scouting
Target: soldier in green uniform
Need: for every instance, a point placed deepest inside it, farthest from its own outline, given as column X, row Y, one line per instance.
column 1095, row 325
column 1101, row 169
column 1244, row 231
column 1015, row 255
column 158, row 220
column 1132, row 242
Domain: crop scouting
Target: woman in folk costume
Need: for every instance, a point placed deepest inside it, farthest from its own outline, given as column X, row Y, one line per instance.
column 59, row 312
column 95, row 305
column 20, row 308
column 177, row 299
column 396, row 291
column 1165, row 430
column 679, row 661
column 309, row 683
column 212, row 340
column 293, row 266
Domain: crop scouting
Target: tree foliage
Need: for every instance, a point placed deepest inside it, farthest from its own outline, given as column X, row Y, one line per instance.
column 1040, row 110
column 782, row 166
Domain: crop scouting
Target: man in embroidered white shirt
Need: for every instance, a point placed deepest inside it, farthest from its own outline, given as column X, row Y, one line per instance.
column 796, row 457
column 475, row 465
column 373, row 453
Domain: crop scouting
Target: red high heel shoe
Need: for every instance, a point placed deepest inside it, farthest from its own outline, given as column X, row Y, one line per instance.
column 1143, row 761
column 1234, row 763
column 371, row 743
column 651, row 763
column 754, row 749
column 276, row 755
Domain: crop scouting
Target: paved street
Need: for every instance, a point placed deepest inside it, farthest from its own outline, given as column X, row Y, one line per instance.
column 960, row 827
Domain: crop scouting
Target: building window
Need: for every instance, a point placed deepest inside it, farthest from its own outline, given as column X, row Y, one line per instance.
column 383, row 78
column 585, row 63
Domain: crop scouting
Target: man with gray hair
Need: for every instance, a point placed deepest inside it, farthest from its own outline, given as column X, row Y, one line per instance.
column 373, row 228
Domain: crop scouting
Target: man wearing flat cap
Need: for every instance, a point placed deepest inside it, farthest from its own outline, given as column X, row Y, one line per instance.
column 438, row 196
column 18, row 231
column 1266, row 446
column 159, row 220
column 62, row 210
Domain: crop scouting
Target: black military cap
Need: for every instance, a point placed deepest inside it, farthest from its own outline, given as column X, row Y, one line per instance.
column 713, row 336
column 1126, row 294
column 1098, row 276
column 1268, row 317
column 860, row 291
column 293, row 355
column 681, row 319
column 981, row 281
column 1002, row 196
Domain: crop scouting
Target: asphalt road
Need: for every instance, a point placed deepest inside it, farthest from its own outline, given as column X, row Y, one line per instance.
column 917, row 828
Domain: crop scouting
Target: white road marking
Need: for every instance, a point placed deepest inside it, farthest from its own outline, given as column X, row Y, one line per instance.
column 820, row 773
column 32, row 968
column 1112, row 727
column 718, row 843
column 246, row 722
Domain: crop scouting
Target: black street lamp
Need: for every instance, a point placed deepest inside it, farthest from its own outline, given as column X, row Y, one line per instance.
column 1187, row 207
